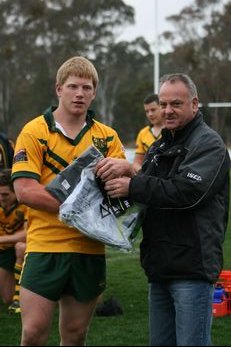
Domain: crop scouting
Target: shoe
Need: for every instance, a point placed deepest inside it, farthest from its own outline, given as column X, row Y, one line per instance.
column 110, row 307
column 14, row 307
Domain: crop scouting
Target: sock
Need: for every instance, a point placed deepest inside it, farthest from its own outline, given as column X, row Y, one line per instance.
column 17, row 274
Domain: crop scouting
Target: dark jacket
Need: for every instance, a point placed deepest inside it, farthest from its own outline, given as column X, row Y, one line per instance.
column 184, row 183
column 6, row 152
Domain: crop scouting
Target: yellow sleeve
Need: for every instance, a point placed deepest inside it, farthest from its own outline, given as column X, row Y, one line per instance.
column 28, row 157
column 116, row 148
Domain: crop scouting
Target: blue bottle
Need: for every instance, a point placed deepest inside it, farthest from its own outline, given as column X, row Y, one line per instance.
column 218, row 295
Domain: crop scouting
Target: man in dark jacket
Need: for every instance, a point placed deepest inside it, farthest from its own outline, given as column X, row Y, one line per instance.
column 6, row 152
column 184, row 184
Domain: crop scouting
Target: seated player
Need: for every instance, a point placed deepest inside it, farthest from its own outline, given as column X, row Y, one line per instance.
column 12, row 241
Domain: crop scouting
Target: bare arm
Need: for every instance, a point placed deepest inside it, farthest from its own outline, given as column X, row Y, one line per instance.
column 31, row 193
column 19, row 236
column 137, row 162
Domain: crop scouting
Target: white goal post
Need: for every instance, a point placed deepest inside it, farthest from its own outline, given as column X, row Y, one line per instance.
column 216, row 104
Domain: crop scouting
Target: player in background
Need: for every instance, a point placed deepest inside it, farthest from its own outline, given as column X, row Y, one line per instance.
column 149, row 133
column 12, row 241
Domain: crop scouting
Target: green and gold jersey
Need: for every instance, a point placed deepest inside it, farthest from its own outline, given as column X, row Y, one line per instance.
column 145, row 139
column 41, row 152
column 12, row 221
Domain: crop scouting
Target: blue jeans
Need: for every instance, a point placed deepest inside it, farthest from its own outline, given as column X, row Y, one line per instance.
column 180, row 313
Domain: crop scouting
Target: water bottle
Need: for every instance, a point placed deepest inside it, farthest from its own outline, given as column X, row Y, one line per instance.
column 218, row 295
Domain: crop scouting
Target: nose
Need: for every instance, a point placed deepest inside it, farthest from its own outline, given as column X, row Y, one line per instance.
column 79, row 91
column 168, row 109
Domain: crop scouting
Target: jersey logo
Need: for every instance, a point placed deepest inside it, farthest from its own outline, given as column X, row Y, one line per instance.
column 21, row 155
column 100, row 144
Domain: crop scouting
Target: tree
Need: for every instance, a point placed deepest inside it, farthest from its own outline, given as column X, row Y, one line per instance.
column 37, row 36
column 121, row 72
column 201, row 48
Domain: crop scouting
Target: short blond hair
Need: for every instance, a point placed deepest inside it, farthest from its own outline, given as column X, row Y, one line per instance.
column 77, row 66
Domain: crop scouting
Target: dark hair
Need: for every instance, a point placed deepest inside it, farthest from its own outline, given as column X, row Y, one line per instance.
column 5, row 179
column 151, row 98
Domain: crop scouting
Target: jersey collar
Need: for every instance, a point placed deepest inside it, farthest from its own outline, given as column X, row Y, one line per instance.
column 49, row 118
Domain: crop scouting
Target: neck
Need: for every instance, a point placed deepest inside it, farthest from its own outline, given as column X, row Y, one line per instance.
column 62, row 117
column 156, row 129
column 71, row 124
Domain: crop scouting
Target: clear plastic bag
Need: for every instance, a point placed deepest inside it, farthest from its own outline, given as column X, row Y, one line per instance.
column 87, row 210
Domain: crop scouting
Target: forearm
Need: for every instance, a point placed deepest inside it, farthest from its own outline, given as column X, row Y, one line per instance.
column 40, row 200
column 19, row 236
column 137, row 162
column 34, row 195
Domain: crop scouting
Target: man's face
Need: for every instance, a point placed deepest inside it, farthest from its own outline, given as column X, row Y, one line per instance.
column 7, row 197
column 153, row 113
column 177, row 106
column 76, row 95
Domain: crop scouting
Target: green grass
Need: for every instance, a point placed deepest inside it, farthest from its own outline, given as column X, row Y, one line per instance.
column 127, row 282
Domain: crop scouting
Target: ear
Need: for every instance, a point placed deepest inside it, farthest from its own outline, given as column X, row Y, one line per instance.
column 58, row 89
column 94, row 95
column 195, row 104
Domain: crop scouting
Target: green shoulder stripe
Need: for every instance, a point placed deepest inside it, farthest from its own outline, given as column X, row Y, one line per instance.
column 110, row 138
column 52, row 155
column 51, row 167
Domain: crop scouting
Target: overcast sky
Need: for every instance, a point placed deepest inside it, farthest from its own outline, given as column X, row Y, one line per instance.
column 145, row 17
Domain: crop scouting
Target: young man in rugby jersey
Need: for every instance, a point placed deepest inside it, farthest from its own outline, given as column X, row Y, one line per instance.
column 61, row 265
column 12, row 241
column 150, row 132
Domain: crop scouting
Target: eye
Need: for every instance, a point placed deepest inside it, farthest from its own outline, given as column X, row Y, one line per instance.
column 72, row 86
column 87, row 88
column 176, row 104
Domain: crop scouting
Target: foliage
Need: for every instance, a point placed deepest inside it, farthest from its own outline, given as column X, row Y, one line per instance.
column 202, row 49
column 37, row 36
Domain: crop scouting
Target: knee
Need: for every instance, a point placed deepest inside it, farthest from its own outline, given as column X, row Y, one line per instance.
column 20, row 248
column 33, row 337
column 74, row 337
column 7, row 298
column 7, row 294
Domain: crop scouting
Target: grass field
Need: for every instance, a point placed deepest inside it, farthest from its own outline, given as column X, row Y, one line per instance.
column 126, row 282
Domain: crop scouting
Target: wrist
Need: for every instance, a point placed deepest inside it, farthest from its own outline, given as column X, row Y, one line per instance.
column 132, row 171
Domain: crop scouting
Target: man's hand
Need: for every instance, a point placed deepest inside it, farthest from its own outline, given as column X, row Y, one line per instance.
column 109, row 168
column 118, row 187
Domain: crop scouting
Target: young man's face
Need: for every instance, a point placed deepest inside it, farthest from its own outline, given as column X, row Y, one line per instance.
column 76, row 95
column 177, row 106
column 7, row 197
column 153, row 113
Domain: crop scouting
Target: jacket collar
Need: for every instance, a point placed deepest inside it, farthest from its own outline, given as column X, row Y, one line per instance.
column 181, row 134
